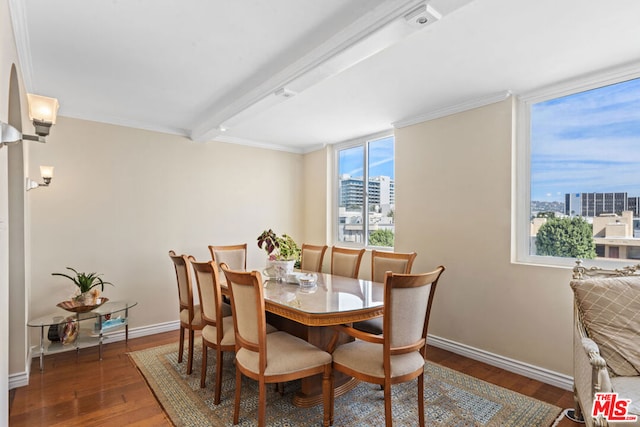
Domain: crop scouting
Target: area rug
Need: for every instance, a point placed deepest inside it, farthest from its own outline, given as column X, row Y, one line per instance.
column 452, row 399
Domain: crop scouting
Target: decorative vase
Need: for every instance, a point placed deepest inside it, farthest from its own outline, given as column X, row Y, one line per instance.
column 280, row 269
column 86, row 298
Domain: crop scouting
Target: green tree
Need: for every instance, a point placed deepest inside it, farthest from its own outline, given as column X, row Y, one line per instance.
column 566, row 237
column 381, row 238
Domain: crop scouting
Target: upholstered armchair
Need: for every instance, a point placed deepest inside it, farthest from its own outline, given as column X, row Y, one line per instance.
column 606, row 340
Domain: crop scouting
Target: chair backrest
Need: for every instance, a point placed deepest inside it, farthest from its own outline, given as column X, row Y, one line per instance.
column 396, row 262
column 247, row 305
column 235, row 256
column 346, row 262
column 183, row 277
column 408, row 300
column 208, row 280
column 311, row 257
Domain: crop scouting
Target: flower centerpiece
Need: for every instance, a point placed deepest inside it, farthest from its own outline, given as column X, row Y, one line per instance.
column 87, row 292
column 282, row 251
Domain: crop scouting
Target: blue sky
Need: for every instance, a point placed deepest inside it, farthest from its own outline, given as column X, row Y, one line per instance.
column 587, row 142
column 380, row 159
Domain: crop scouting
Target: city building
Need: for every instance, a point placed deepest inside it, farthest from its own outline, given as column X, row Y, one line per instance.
column 595, row 204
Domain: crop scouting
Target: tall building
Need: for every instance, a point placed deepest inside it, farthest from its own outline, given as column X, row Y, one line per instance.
column 381, row 191
column 594, row 204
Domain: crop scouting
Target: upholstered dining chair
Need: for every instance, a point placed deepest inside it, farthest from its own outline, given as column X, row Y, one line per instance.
column 235, row 256
column 190, row 313
column 217, row 331
column 381, row 262
column 398, row 355
column 270, row 358
column 311, row 257
column 346, row 262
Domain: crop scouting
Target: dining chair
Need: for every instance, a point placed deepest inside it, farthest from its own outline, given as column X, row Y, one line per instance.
column 346, row 262
column 217, row 331
column 270, row 358
column 381, row 262
column 311, row 257
column 235, row 256
column 190, row 313
column 398, row 355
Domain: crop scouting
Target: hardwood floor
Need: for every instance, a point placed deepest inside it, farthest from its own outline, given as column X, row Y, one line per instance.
column 79, row 390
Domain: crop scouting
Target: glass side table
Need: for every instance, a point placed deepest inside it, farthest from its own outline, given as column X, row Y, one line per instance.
column 93, row 327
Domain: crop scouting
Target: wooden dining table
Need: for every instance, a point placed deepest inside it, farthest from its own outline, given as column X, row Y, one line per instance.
column 309, row 313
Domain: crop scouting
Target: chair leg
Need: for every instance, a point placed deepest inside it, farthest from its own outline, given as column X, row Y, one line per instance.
column 388, row 422
column 181, row 345
column 218, row 391
column 421, row 400
column 327, row 395
column 262, row 403
column 236, row 406
column 203, row 370
column 190, row 355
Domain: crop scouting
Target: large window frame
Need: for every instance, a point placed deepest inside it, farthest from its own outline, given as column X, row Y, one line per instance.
column 337, row 148
column 521, row 164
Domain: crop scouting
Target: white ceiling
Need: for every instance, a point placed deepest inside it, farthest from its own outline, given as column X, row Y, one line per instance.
column 188, row 67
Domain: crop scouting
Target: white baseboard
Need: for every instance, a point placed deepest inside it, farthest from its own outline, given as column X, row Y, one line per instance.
column 534, row 372
column 143, row 331
column 530, row 371
column 22, row 378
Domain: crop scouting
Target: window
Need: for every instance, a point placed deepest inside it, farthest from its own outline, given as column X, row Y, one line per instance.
column 366, row 192
column 578, row 172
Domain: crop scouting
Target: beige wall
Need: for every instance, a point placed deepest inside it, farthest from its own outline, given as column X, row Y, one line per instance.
column 453, row 197
column 121, row 198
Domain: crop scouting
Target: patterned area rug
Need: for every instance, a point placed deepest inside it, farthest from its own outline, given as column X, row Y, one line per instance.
column 451, row 398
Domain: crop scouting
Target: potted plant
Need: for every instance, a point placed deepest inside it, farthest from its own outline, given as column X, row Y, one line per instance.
column 87, row 284
column 283, row 253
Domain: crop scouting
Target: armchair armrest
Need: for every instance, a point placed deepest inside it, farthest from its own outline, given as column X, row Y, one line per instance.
column 355, row 333
column 590, row 376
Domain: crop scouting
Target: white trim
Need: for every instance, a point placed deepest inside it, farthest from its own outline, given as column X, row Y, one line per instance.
column 138, row 332
column 453, row 109
column 21, row 36
column 530, row 371
column 521, row 170
column 266, row 145
column 21, row 379
column 121, row 121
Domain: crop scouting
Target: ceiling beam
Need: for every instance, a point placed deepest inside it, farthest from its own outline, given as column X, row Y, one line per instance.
column 353, row 44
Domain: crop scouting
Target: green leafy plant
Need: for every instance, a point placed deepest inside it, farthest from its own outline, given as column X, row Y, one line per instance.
column 381, row 238
column 280, row 248
column 84, row 281
column 566, row 237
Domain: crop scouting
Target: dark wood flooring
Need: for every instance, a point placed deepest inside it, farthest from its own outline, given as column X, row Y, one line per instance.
column 79, row 390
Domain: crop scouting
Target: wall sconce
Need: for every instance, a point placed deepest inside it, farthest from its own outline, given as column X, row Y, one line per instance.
column 42, row 111
column 47, row 175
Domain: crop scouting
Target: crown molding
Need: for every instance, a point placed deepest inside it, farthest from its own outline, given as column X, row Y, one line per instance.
column 120, row 121
column 453, row 109
column 259, row 144
column 17, row 9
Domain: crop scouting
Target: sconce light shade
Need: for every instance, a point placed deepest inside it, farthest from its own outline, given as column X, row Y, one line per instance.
column 43, row 112
column 47, row 173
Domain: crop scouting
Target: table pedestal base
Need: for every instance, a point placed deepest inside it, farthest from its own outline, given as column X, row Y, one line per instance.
column 306, row 401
